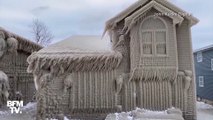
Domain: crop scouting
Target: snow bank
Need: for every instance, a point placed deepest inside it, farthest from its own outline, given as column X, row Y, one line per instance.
column 30, row 105
column 65, row 118
column 142, row 114
column 30, row 108
column 202, row 105
column 4, row 113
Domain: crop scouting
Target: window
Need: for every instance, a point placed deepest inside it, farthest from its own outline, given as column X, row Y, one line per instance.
column 201, row 81
column 199, row 57
column 147, row 42
column 153, row 35
column 211, row 64
column 160, row 42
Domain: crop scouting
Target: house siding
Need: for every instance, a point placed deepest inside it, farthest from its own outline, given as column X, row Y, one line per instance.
column 185, row 62
column 204, row 69
column 15, row 66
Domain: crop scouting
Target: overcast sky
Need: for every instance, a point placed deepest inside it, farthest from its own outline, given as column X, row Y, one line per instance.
column 87, row 17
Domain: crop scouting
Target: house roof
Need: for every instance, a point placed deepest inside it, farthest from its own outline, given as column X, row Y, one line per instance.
column 139, row 4
column 204, row 48
column 89, row 43
column 23, row 43
column 77, row 53
column 133, row 18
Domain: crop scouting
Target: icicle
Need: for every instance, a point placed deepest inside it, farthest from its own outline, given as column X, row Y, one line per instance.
column 187, row 82
column 12, row 45
column 119, row 83
column 68, row 63
column 154, row 72
column 68, row 82
column 4, row 87
column 2, row 44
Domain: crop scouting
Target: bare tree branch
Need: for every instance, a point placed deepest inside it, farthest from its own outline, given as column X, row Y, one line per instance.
column 41, row 33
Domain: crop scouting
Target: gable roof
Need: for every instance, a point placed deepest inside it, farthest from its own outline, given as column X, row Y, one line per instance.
column 139, row 4
column 132, row 19
column 23, row 43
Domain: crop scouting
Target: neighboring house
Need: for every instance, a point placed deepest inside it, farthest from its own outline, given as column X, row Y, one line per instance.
column 203, row 59
column 14, row 65
column 149, row 66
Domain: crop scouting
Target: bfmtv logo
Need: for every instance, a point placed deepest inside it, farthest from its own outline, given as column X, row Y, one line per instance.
column 15, row 106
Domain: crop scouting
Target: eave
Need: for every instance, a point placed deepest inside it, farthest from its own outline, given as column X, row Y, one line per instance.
column 131, row 20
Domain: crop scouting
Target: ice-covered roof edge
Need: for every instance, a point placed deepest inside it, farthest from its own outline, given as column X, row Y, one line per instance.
column 23, row 43
column 125, row 13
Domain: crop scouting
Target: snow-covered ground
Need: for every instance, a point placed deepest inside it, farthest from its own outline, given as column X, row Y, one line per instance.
column 28, row 113
column 143, row 114
column 205, row 112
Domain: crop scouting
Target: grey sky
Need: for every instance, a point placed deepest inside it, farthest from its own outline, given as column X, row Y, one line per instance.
column 87, row 17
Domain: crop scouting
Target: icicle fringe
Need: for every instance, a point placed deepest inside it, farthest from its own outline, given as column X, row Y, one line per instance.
column 154, row 73
column 12, row 45
column 3, row 44
column 73, row 62
column 23, row 44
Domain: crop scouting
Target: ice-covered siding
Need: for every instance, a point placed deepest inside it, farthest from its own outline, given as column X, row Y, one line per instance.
column 185, row 62
column 89, row 93
column 15, row 66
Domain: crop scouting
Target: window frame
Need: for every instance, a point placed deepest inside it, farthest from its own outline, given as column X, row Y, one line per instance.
column 201, row 81
column 199, row 57
column 154, row 41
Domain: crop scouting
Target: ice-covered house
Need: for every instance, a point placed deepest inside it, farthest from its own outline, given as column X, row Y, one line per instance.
column 14, row 51
column 149, row 66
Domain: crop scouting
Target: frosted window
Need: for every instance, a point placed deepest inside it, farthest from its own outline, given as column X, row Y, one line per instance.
column 153, row 37
column 147, row 48
column 147, row 37
column 160, row 42
column 147, row 42
column 160, row 36
column 161, row 49
column 153, row 23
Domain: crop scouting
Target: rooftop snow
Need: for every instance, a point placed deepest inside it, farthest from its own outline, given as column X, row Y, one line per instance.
column 80, row 44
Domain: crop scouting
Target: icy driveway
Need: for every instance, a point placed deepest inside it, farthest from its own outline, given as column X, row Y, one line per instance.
column 204, row 111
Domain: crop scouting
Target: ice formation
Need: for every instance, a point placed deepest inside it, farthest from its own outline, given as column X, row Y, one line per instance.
column 4, row 87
